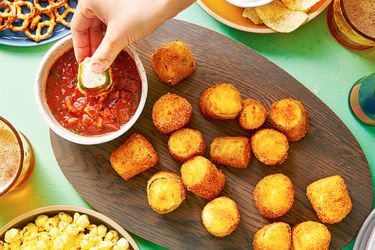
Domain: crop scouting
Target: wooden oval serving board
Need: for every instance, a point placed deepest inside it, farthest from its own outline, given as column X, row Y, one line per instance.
column 328, row 149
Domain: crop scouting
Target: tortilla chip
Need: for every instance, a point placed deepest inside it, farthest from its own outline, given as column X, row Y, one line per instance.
column 304, row 5
column 279, row 18
column 252, row 15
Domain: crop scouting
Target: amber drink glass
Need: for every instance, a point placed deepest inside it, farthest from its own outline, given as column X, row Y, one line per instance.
column 352, row 23
column 16, row 157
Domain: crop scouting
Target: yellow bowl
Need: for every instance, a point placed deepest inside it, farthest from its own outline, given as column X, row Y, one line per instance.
column 231, row 15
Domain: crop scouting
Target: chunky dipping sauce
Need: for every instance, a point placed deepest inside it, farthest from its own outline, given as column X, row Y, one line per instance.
column 10, row 156
column 90, row 115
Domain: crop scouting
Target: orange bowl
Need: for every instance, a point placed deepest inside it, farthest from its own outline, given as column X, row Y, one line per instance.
column 231, row 15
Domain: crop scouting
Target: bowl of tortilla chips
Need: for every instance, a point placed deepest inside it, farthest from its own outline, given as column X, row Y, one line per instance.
column 278, row 16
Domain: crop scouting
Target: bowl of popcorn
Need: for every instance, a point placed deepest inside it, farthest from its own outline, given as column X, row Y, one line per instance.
column 64, row 227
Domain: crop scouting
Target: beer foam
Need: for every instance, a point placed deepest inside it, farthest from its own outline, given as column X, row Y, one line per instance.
column 10, row 156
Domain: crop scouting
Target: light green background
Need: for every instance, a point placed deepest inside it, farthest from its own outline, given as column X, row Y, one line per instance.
column 309, row 54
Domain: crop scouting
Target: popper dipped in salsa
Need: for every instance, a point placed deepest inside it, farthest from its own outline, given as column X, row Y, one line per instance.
column 93, row 115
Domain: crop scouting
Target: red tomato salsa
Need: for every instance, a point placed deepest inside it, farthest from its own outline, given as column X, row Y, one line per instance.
column 90, row 115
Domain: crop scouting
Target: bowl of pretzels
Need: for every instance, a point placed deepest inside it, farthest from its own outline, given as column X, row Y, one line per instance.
column 35, row 21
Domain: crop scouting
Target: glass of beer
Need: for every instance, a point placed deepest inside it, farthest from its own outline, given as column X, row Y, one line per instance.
column 16, row 157
column 362, row 99
column 352, row 23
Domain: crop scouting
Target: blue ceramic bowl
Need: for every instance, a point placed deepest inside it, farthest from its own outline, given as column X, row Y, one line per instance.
column 19, row 39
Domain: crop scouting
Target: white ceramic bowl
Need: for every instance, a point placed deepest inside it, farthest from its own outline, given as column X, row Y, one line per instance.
column 94, row 217
column 49, row 59
column 248, row 3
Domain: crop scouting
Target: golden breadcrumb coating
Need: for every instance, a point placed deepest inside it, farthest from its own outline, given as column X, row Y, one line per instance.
column 165, row 192
column 274, row 195
column 253, row 114
column 275, row 236
column 173, row 62
column 290, row 117
column 231, row 151
column 270, row 146
column 171, row 112
column 221, row 101
column 186, row 143
column 134, row 156
column 201, row 177
column 310, row 235
column 221, row 216
column 330, row 199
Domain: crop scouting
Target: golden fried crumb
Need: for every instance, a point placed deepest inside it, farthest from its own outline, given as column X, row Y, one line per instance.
column 275, row 236
column 231, row 151
column 290, row 117
column 221, row 101
column 330, row 199
column 202, row 177
column 270, row 146
column 310, row 235
column 171, row 112
column 221, row 216
column 186, row 143
column 253, row 114
column 274, row 196
column 165, row 192
column 134, row 156
column 173, row 62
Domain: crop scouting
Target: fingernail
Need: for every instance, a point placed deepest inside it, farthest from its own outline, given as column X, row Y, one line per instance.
column 98, row 68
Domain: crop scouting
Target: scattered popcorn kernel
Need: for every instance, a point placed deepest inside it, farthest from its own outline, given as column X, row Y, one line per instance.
column 12, row 235
column 102, row 230
column 83, row 221
column 41, row 221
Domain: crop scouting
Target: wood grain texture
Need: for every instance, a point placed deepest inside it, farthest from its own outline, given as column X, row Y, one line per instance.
column 328, row 149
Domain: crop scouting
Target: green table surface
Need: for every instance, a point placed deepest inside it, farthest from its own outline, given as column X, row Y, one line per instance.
column 309, row 54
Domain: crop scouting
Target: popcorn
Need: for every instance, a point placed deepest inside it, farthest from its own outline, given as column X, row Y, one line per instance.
column 62, row 232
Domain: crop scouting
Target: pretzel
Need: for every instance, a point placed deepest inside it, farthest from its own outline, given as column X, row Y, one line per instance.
column 7, row 15
column 38, row 36
column 34, row 22
column 52, row 5
column 21, row 16
column 61, row 18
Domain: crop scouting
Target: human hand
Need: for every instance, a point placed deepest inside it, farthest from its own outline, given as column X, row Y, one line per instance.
column 123, row 21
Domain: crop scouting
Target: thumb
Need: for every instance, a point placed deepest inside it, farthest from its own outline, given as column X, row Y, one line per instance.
column 107, row 52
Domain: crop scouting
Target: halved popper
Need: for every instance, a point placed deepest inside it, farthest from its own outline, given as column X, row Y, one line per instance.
column 92, row 83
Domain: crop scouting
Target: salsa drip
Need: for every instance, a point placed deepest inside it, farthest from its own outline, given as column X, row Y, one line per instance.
column 91, row 115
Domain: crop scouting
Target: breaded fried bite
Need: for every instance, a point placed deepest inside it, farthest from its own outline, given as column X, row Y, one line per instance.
column 275, row 236
column 231, row 151
column 290, row 117
column 330, row 199
column 201, row 177
column 173, row 62
column 221, row 216
column 171, row 112
column 270, row 146
column 186, row 143
column 310, row 235
column 134, row 156
column 165, row 192
column 221, row 101
column 253, row 114
column 274, row 196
